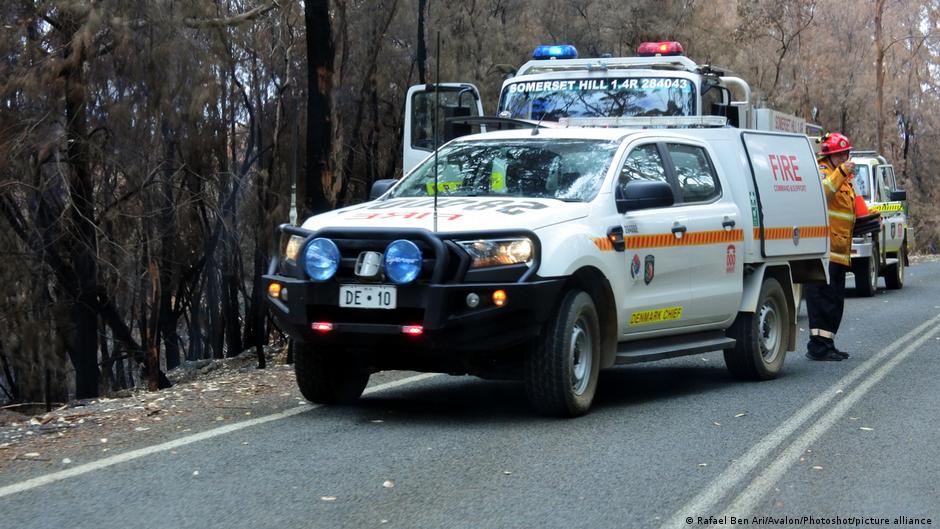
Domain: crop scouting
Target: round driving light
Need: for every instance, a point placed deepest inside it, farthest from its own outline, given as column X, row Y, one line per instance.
column 402, row 261
column 473, row 300
column 321, row 259
column 284, row 295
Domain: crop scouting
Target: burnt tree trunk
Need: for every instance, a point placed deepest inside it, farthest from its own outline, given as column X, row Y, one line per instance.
column 320, row 52
column 169, row 261
column 83, row 335
column 879, row 74
column 422, row 53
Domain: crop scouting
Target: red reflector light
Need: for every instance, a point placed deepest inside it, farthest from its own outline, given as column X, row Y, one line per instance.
column 412, row 330
column 651, row 49
column 321, row 326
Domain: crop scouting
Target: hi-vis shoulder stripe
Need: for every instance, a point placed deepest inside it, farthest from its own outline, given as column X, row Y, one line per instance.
column 663, row 240
column 887, row 206
column 781, row 234
column 844, row 215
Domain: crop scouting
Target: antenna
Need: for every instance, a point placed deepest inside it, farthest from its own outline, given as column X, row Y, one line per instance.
column 293, row 173
column 437, row 108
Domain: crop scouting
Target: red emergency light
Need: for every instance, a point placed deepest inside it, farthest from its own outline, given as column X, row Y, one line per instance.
column 412, row 330
column 322, row 326
column 653, row 49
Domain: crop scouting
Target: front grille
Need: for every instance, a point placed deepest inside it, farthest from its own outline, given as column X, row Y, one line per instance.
column 351, row 248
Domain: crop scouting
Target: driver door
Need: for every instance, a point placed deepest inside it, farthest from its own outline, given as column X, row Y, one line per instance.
column 658, row 279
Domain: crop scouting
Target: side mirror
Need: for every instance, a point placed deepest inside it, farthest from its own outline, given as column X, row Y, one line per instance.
column 898, row 195
column 644, row 195
column 379, row 187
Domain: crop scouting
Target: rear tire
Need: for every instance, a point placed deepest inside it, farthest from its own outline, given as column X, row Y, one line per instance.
column 327, row 375
column 894, row 274
column 561, row 370
column 761, row 336
column 866, row 272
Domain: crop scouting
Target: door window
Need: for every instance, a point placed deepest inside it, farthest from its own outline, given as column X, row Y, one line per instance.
column 882, row 185
column 642, row 164
column 891, row 179
column 694, row 171
column 454, row 104
column 860, row 181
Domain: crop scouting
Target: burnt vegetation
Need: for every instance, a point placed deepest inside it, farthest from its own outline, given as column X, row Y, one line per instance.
column 149, row 148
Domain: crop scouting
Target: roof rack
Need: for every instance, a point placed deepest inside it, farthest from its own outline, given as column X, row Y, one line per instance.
column 678, row 62
column 870, row 153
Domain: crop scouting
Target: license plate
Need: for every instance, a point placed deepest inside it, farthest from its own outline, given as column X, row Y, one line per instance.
column 367, row 296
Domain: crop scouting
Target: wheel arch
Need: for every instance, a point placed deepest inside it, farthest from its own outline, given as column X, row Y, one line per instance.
column 752, row 286
column 593, row 281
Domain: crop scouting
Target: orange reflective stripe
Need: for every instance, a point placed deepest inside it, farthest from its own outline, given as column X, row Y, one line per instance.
column 699, row 238
column 779, row 234
column 603, row 244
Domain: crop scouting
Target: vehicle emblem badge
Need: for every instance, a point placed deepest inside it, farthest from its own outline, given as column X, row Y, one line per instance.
column 369, row 264
column 731, row 259
column 635, row 267
column 796, row 235
column 649, row 270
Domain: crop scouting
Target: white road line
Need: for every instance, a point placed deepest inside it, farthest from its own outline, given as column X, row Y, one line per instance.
column 182, row 441
column 745, row 503
column 706, row 500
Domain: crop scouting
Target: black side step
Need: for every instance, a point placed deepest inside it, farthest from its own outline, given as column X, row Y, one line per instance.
column 652, row 349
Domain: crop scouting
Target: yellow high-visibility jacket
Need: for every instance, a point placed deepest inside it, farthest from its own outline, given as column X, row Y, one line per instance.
column 840, row 200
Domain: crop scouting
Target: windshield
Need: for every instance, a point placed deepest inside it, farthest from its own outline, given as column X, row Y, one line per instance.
column 564, row 169
column 599, row 98
column 861, row 182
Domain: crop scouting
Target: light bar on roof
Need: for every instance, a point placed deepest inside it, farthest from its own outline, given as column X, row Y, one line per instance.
column 555, row 51
column 646, row 122
column 652, row 49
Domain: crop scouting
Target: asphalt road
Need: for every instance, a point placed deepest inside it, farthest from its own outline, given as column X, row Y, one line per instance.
column 664, row 442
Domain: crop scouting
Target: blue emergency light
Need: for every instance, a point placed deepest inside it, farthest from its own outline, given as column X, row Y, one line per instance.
column 555, row 51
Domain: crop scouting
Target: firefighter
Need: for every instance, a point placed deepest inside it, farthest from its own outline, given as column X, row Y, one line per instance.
column 825, row 302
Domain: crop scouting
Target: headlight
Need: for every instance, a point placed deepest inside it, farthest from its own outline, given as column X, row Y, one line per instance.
column 498, row 252
column 402, row 261
column 294, row 244
column 321, row 259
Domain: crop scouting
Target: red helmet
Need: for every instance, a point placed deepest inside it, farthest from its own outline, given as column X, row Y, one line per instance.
column 833, row 143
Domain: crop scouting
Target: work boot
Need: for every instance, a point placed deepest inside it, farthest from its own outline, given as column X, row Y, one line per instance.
column 826, row 356
column 843, row 354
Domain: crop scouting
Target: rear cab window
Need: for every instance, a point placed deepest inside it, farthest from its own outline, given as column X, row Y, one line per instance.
column 694, row 172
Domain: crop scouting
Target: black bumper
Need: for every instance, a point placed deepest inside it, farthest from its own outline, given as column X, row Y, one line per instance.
column 448, row 323
column 437, row 300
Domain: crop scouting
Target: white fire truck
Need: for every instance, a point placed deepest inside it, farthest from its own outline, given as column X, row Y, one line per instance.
column 549, row 253
column 885, row 253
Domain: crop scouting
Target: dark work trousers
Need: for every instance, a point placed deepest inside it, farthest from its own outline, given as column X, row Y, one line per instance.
column 825, row 303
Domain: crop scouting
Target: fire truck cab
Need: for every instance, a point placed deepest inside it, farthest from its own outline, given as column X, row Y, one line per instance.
column 660, row 82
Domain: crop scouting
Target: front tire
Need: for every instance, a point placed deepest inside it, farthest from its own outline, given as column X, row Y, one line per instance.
column 327, row 375
column 894, row 274
column 761, row 336
column 561, row 371
column 866, row 272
